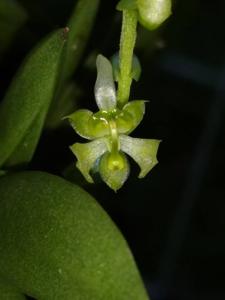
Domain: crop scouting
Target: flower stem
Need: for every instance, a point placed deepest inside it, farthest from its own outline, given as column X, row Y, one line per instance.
column 127, row 43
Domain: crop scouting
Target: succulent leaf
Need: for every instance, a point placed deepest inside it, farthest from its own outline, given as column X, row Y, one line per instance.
column 105, row 91
column 87, row 154
column 114, row 169
column 143, row 151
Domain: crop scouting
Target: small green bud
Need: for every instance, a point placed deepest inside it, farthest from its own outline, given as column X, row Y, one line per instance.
column 152, row 13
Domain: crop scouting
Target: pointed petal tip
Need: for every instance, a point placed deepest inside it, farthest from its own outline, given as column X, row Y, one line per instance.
column 144, row 173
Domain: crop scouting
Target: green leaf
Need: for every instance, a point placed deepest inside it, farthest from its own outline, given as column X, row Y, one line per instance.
column 114, row 170
column 136, row 67
column 9, row 292
column 80, row 26
column 105, row 91
column 66, row 104
column 29, row 95
column 127, row 4
column 152, row 13
column 131, row 116
column 87, row 125
column 23, row 152
column 12, row 18
column 87, row 154
column 142, row 151
column 56, row 242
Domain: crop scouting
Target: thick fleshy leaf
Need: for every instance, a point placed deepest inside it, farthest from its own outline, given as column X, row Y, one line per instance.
column 9, row 292
column 114, row 169
column 130, row 116
column 67, row 103
column 57, row 243
column 87, row 154
column 105, row 91
column 87, row 125
column 22, row 153
column 143, row 151
column 152, row 13
column 80, row 24
column 30, row 95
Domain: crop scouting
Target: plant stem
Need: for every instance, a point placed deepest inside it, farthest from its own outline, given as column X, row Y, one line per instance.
column 127, row 43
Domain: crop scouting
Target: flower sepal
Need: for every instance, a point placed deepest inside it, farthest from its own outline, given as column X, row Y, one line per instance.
column 87, row 154
column 143, row 151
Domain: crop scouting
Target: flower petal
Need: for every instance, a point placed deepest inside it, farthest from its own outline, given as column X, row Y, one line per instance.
column 87, row 154
column 114, row 170
column 87, row 125
column 105, row 91
column 135, row 71
column 143, row 151
column 131, row 116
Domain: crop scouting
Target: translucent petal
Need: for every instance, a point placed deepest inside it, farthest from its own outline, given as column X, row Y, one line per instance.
column 105, row 92
column 87, row 125
column 114, row 170
column 143, row 151
column 136, row 67
column 87, row 154
column 131, row 116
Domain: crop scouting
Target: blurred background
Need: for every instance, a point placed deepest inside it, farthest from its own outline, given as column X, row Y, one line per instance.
column 174, row 219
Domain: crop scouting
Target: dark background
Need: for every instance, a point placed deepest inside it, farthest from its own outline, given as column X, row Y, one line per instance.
column 174, row 219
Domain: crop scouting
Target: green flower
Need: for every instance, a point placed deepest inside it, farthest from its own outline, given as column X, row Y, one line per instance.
column 108, row 130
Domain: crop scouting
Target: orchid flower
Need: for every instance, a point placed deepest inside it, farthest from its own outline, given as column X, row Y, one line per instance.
column 108, row 131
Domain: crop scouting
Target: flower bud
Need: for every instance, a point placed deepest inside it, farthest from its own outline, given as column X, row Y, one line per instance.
column 152, row 13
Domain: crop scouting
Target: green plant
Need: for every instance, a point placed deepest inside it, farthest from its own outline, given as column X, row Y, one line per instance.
column 56, row 242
